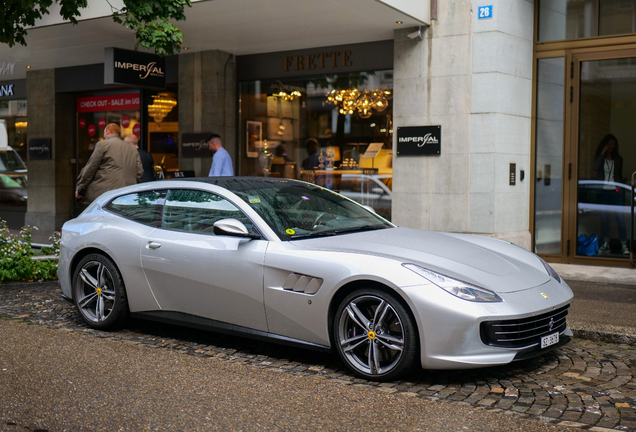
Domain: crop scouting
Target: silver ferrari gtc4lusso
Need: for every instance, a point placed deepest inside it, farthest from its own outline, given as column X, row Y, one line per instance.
column 298, row 264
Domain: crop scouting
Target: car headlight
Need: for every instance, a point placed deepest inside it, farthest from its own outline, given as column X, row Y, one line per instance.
column 463, row 290
column 550, row 270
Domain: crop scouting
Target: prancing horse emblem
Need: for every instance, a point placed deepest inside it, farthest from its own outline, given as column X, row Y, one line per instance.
column 551, row 324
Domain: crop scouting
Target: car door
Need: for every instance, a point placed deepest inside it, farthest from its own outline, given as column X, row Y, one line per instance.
column 193, row 271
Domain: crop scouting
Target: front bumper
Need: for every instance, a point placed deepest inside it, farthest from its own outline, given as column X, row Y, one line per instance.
column 449, row 328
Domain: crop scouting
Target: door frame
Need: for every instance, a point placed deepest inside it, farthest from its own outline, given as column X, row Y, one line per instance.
column 571, row 150
column 572, row 58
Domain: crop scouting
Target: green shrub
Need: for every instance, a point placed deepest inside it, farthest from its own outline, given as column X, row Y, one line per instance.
column 16, row 252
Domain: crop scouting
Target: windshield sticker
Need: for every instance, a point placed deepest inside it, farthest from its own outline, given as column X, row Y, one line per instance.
column 290, row 231
column 254, row 200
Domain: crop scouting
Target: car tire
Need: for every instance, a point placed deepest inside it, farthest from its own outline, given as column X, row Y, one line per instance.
column 375, row 335
column 99, row 293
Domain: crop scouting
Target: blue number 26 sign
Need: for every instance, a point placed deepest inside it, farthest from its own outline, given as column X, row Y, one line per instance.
column 484, row 12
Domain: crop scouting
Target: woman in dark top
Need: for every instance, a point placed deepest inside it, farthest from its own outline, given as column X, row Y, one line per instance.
column 609, row 167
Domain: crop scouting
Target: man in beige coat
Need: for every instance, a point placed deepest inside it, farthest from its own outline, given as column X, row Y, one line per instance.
column 113, row 164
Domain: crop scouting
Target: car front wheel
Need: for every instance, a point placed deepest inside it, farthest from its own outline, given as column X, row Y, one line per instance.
column 375, row 335
column 99, row 294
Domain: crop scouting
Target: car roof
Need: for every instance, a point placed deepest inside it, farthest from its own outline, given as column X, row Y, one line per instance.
column 239, row 183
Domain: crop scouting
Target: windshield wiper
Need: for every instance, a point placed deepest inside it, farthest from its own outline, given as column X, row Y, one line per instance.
column 313, row 234
column 337, row 232
column 361, row 228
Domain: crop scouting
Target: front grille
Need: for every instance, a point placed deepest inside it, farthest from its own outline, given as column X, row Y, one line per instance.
column 524, row 332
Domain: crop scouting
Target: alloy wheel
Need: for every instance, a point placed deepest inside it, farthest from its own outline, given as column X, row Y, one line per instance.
column 96, row 291
column 371, row 335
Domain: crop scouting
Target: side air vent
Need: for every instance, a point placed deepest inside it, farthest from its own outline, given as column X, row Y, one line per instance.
column 301, row 283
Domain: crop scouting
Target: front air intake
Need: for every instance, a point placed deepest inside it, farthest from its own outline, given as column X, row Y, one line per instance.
column 524, row 332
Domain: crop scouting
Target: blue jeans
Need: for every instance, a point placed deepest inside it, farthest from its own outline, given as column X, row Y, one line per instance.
column 611, row 197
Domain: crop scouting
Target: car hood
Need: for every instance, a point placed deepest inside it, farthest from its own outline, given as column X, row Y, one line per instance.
column 483, row 261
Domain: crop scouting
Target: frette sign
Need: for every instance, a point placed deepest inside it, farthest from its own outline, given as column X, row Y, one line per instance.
column 134, row 68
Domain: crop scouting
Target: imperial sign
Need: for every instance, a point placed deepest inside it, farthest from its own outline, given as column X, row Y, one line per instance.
column 195, row 145
column 40, row 148
column 134, row 68
column 419, row 140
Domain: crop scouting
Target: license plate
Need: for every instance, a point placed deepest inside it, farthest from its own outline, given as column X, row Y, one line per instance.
column 550, row 339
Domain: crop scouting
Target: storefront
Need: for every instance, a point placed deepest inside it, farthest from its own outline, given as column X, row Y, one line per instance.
column 13, row 152
column 584, row 148
column 322, row 115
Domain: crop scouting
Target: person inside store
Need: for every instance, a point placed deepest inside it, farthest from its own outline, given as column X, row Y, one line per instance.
column 113, row 164
column 609, row 167
column 221, row 159
column 146, row 159
column 313, row 150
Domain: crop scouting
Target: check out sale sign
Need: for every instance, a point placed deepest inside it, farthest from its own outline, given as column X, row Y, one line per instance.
column 120, row 102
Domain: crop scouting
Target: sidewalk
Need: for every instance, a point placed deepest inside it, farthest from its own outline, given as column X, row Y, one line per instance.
column 611, row 275
column 604, row 305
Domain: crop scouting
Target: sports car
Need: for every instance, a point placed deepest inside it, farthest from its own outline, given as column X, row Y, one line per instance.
column 296, row 263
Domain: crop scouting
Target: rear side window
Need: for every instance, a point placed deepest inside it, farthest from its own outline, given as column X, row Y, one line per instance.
column 144, row 207
column 197, row 211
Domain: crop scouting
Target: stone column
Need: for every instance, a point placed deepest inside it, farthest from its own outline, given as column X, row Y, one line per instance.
column 432, row 87
column 50, row 191
column 474, row 78
column 207, row 103
column 501, row 109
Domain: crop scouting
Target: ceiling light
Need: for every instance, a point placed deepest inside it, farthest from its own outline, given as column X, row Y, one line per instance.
column 161, row 105
column 28, row 67
column 364, row 102
column 399, row 22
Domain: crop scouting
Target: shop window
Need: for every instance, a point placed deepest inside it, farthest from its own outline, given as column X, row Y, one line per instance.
column 95, row 112
column 617, row 17
column 575, row 19
column 13, row 158
column 163, row 131
column 549, row 156
column 317, row 129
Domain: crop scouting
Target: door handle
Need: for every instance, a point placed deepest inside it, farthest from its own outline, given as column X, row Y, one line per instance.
column 154, row 245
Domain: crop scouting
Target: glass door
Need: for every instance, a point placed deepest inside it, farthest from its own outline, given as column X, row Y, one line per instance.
column 603, row 154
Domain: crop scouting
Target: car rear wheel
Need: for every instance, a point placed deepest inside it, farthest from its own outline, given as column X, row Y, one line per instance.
column 375, row 335
column 99, row 294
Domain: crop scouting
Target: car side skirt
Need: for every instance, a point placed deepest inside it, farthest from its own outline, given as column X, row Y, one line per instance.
column 197, row 322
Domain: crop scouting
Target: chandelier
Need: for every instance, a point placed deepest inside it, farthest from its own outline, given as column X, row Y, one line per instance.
column 289, row 96
column 351, row 100
column 161, row 105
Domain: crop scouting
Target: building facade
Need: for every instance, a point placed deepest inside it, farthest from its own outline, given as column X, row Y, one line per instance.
column 481, row 117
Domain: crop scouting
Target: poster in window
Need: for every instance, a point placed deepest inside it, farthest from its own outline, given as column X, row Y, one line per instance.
column 254, row 137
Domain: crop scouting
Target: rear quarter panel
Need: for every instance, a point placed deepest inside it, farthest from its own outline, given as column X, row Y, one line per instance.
column 121, row 240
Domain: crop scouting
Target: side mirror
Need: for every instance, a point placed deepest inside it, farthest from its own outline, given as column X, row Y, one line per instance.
column 368, row 207
column 234, row 228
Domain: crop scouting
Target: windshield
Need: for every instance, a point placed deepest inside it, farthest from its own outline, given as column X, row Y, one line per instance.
column 10, row 161
column 14, row 181
column 296, row 210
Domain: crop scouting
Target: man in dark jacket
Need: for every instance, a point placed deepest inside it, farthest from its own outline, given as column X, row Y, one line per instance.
column 146, row 159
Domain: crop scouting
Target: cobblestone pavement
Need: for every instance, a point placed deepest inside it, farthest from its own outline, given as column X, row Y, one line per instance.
column 585, row 384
